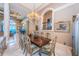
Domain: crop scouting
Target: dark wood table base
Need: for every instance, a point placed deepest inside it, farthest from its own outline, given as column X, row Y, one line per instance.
column 40, row 42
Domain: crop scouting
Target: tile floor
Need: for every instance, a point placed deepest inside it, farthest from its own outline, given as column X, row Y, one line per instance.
column 61, row 50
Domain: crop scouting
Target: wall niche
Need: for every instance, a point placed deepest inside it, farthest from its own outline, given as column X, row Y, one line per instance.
column 47, row 20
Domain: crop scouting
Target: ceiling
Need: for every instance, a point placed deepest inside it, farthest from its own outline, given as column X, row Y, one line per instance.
column 34, row 6
column 25, row 8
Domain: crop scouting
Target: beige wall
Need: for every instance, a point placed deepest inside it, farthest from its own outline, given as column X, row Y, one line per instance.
column 65, row 14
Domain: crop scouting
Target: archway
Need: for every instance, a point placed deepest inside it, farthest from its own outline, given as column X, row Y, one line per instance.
column 48, row 19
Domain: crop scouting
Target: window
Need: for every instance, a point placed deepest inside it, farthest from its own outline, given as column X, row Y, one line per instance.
column 12, row 26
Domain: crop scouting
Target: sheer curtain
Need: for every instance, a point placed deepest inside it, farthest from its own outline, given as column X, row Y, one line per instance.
column 76, row 35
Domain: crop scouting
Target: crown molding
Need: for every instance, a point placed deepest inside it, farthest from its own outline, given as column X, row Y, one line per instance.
column 63, row 7
column 42, row 6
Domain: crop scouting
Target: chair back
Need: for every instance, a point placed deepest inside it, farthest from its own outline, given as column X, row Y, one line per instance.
column 25, row 43
column 3, row 46
column 53, row 45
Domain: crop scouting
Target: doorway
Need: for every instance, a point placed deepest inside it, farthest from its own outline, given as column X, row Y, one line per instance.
column 12, row 40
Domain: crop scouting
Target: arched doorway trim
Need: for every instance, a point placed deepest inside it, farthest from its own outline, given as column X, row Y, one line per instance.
column 45, row 11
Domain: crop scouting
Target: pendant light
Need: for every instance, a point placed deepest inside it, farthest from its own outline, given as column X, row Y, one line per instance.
column 34, row 13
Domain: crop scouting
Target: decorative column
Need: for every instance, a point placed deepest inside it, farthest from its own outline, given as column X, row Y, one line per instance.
column 39, row 24
column 6, row 21
column 53, row 19
column 17, row 32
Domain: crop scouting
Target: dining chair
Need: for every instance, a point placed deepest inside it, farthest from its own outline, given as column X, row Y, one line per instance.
column 21, row 42
column 27, row 47
column 33, row 48
column 2, row 46
column 49, row 49
column 53, row 44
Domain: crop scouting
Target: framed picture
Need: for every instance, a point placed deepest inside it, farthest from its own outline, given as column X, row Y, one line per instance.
column 62, row 26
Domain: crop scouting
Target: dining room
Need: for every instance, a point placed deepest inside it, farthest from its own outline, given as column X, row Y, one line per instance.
column 38, row 29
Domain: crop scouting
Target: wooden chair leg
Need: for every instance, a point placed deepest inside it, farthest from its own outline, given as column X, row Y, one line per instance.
column 1, row 52
column 54, row 53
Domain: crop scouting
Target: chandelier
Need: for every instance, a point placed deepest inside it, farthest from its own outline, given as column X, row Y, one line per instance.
column 33, row 14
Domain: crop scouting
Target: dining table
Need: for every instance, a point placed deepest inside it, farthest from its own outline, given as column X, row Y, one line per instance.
column 40, row 41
